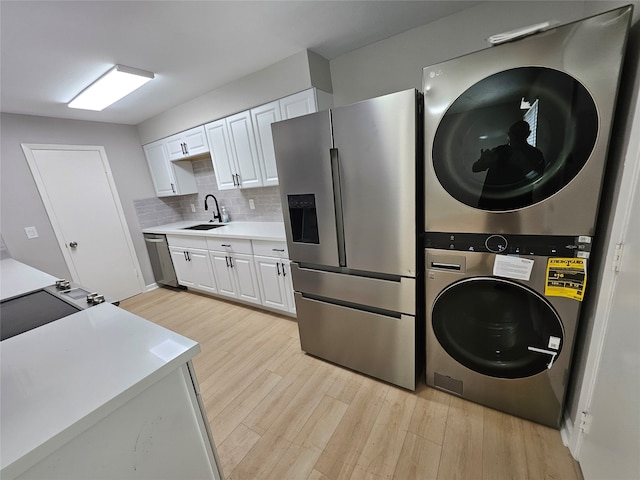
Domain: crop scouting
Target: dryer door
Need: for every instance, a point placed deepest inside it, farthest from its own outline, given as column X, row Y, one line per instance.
column 515, row 138
column 497, row 327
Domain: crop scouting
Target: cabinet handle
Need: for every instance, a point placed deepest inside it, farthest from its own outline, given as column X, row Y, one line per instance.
column 225, row 245
column 284, row 273
column 185, row 256
column 189, row 256
column 184, row 148
column 173, row 188
column 277, row 249
column 236, row 180
column 231, row 261
column 233, row 177
column 226, row 259
column 278, row 266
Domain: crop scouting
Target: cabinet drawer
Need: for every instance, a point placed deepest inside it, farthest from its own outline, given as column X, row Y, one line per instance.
column 187, row 241
column 270, row 248
column 231, row 245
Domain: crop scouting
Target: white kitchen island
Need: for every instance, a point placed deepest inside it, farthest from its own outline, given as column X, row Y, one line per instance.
column 102, row 394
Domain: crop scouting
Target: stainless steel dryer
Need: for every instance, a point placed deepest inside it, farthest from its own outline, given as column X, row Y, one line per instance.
column 493, row 337
column 516, row 135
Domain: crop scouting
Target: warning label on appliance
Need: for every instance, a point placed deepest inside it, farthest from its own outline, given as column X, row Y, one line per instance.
column 512, row 267
column 566, row 277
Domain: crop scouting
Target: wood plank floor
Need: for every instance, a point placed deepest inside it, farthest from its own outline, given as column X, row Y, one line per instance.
column 277, row 413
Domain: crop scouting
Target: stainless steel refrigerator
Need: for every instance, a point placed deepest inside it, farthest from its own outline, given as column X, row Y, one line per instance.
column 351, row 188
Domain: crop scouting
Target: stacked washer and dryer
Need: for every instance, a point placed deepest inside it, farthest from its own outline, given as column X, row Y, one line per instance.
column 516, row 140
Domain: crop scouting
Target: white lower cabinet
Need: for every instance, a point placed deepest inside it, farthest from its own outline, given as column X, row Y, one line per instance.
column 193, row 269
column 236, row 276
column 251, row 271
column 274, row 278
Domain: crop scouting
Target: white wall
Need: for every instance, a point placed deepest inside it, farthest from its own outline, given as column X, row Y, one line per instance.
column 21, row 205
column 291, row 75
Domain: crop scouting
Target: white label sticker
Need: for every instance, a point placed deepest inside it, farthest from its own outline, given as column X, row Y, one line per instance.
column 554, row 342
column 512, row 267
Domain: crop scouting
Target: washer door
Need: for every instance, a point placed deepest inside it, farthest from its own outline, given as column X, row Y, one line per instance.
column 497, row 327
column 515, row 138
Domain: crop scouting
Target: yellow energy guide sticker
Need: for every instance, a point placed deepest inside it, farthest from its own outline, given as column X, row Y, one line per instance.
column 566, row 277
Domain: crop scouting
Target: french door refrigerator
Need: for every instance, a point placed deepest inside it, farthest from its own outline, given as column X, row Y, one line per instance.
column 351, row 189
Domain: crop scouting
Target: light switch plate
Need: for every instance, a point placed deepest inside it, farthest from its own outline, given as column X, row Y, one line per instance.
column 252, row 204
column 31, row 232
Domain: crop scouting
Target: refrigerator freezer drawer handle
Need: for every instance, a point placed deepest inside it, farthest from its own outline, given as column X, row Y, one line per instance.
column 548, row 352
column 448, row 266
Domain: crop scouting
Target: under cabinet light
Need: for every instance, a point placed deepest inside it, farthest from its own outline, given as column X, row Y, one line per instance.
column 118, row 82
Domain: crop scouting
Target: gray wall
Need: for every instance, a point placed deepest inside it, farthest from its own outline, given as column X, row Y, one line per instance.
column 21, row 205
column 396, row 63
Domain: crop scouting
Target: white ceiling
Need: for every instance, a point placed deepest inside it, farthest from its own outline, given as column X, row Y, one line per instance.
column 51, row 50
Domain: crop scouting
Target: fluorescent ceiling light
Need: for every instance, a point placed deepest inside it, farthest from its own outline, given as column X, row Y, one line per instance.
column 118, row 82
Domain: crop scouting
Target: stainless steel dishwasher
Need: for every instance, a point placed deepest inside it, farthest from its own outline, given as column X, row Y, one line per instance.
column 161, row 262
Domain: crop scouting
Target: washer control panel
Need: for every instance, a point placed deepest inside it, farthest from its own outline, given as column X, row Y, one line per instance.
column 541, row 245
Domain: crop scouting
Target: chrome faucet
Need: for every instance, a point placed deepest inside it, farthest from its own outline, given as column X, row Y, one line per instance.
column 216, row 214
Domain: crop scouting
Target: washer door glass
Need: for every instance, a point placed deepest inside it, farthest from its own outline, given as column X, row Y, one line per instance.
column 497, row 327
column 515, row 138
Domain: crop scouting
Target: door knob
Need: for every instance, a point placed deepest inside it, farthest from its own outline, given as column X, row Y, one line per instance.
column 73, row 244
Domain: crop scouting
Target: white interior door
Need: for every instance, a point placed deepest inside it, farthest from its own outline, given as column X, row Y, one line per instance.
column 78, row 192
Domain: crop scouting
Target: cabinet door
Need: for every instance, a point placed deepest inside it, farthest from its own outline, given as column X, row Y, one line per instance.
column 181, row 266
column 288, row 285
column 221, row 154
column 223, row 274
column 245, row 276
column 270, row 281
column 161, row 173
column 175, row 147
column 195, row 141
column 298, row 104
column 243, row 145
column 262, row 117
column 201, row 271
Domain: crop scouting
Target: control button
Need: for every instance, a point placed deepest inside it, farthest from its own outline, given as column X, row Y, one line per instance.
column 496, row 243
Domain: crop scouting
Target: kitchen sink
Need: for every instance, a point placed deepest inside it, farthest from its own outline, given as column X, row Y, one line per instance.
column 203, row 226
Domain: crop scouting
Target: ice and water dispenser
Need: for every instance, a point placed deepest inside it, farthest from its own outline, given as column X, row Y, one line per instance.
column 304, row 219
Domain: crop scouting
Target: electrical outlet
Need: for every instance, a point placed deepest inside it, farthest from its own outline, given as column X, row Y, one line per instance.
column 193, row 207
column 31, row 232
column 252, row 204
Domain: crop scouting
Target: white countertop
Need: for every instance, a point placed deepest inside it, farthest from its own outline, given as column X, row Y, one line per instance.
column 16, row 278
column 60, row 379
column 273, row 231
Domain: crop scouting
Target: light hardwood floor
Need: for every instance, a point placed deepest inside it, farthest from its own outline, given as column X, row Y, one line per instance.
column 277, row 413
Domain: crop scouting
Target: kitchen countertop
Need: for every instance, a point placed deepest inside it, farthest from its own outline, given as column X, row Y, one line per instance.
column 16, row 279
column 60, row 379
column 273, row 231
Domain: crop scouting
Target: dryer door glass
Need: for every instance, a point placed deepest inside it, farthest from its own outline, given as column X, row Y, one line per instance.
column 497, row 327
column 515, row 138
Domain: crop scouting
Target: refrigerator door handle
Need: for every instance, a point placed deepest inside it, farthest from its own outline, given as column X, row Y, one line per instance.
column 337, row 200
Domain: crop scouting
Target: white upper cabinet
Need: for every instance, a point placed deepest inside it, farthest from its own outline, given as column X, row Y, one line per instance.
column 298, row 104
column 187, row 144
column 243, row 144
column 233, row 152
column 169, row 178
column 221, row 154
column 262, row 117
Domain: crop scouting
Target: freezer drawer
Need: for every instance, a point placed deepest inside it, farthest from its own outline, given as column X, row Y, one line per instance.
column 374, row 344
column 393, row 295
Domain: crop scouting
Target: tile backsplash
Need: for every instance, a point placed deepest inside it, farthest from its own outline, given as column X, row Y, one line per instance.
column 160, row 210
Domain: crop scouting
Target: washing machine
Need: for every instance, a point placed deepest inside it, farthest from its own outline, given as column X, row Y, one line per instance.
column 516, row 135
column 502, row 313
